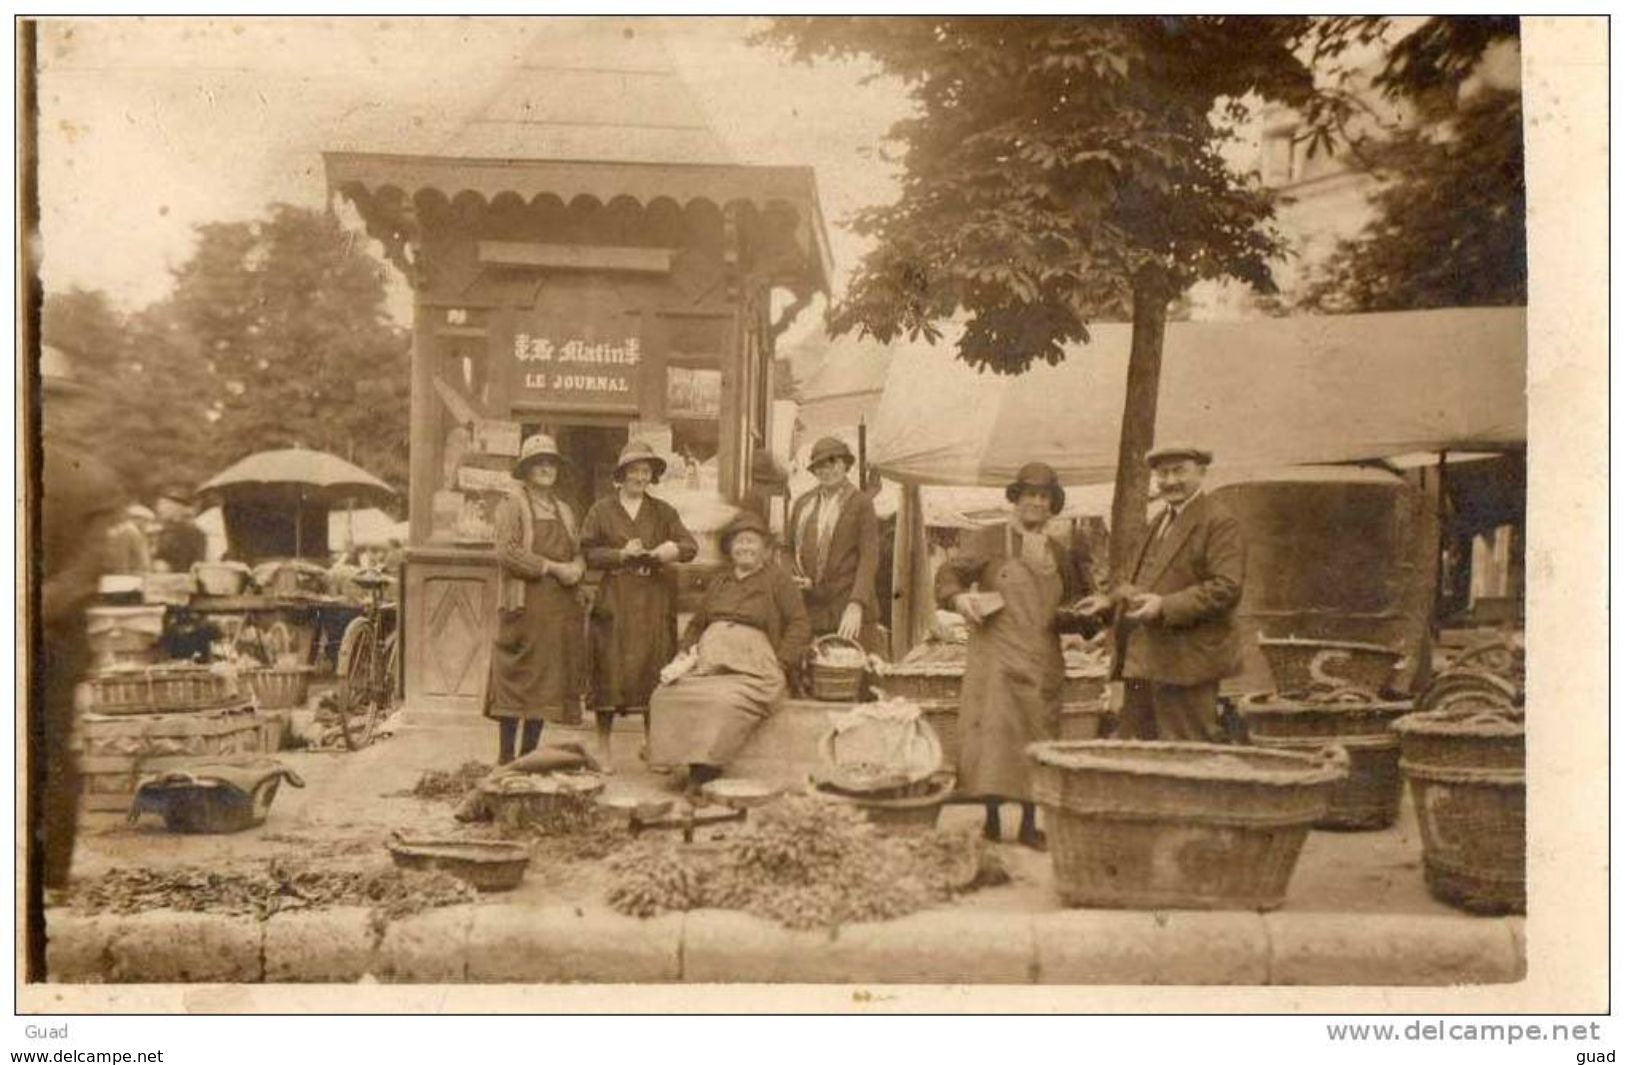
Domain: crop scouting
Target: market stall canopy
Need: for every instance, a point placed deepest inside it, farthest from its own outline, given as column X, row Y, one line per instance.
column 588, row 113
column 1262, row 392
column 297, row 472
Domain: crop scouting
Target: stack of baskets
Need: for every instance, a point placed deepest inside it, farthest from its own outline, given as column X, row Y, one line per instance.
column 135, row 720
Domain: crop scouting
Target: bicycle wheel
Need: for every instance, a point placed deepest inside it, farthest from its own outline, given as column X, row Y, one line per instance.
column 358, row 689
column 392, row 671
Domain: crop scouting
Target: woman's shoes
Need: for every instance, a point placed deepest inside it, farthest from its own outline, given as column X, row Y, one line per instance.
column 1034, row 839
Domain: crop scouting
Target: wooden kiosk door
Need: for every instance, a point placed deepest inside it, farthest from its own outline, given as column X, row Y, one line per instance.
column 590, row 452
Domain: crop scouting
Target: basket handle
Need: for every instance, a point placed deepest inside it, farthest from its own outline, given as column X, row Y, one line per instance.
column 835, row 638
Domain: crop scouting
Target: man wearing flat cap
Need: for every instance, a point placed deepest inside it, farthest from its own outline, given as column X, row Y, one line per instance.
column 1174, row 614
column 833, row 540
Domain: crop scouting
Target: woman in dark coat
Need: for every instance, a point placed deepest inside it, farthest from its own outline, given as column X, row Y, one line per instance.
column 1014, row 671
column 633, row 538
column 751, row 629
column 537, row 657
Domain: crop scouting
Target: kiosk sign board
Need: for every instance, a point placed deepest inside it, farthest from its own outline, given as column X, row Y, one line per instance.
column 559, row 369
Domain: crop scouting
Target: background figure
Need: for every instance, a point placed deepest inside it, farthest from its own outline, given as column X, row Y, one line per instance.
column 536, row 658
column 1174, row 616
column 126, row 550
column 1014, row 671
column 834, row 543
column 634, row 539
column 181, row 544
column 79, row 503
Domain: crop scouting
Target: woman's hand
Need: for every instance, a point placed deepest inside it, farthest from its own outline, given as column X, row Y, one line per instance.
column 965, row 604
column 633, row 549
column 667, row 552
column 851, row 622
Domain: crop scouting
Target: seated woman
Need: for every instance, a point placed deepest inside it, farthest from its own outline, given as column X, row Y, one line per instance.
column 750, row 629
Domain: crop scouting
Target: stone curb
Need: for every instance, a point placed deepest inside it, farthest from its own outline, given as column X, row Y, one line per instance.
column 499, row 943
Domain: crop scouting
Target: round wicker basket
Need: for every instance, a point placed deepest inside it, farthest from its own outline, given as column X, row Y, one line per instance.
column 832, row 681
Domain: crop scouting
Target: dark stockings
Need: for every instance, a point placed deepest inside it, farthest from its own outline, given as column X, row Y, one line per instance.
column 1028, row 835
column 509, row 730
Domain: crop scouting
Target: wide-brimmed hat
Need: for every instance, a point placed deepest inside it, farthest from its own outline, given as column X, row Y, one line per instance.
column 535, row 447
column 1172, row 452
column 1042, row 476
column 640, row 451
column 744, row 521
column 831, row 447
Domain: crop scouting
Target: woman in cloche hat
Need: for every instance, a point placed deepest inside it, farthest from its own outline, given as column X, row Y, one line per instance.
column 634, row 539
column 1009, row 583
column 536, row 661
column 749, row 631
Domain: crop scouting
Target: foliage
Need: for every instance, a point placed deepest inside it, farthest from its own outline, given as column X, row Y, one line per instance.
column 274, row 334
column 146, row 409
column 1449, row 229
column 806, row 863
column 1052, row 165
column 290, row 315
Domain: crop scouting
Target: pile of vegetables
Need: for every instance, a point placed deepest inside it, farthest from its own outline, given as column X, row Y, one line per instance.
column 806, row 863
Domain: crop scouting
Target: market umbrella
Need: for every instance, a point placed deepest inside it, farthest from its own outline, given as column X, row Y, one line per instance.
column 300, row 476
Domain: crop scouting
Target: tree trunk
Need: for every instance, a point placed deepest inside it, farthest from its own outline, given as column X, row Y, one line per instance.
column 1131, row 492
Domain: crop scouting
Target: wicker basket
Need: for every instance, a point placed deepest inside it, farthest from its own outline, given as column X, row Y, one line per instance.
column 119, row 749
column 284, row 688
column 156, row 690
column 486, row 865
column 922, row 681
column 1301, row 664
column 522, row 802
column 124, row 635
column 1369, row 798
column 1274, row 716
column 832, row 683
column 220, row 578
column 1466, row 771
column 1151, row 825
column 907, row 813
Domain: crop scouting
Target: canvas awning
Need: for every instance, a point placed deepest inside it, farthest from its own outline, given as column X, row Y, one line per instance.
column 1261, row 393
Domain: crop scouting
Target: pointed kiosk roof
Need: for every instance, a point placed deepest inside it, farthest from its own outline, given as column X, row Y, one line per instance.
column 591, row 107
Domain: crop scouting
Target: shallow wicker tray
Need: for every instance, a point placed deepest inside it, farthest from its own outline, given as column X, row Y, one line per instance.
column 486, row 865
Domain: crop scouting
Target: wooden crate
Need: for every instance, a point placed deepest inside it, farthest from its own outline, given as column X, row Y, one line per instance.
column 116, row 751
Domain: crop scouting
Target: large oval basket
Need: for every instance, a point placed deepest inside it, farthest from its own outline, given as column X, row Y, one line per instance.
column 1152, row 825
column 1323, row 717
column 486, row 865
column 1466, row 770
column 1369, row 797
column 1300, row 664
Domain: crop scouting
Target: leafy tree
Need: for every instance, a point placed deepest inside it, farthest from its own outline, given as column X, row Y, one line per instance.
column 1449, row 228
column 1062, row 169
column 274, row 335
column 289, row 314
column 146, row 414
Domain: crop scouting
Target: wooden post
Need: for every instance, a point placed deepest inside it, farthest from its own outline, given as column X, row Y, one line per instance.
column 422, row 448
column 1130, row 494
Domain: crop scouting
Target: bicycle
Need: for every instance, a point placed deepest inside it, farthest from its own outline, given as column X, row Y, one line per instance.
column 369, row 660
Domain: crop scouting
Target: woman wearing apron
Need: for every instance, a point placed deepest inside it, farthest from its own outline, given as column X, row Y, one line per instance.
column 1014, row 672
column 537, row 657
column 633, row 538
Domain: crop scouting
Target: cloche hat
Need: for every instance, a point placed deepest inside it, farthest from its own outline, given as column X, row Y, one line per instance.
column 535, row 447
column 640, row 451
column 1042, row 476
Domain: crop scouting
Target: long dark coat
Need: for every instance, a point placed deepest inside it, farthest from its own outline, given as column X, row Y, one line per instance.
column 634, row 616
column 848, row 574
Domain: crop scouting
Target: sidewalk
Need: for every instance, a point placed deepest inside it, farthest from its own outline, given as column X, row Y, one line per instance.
column 1356, row 913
